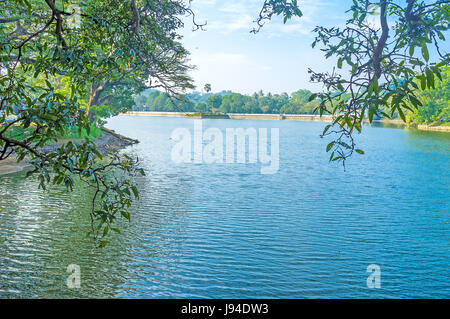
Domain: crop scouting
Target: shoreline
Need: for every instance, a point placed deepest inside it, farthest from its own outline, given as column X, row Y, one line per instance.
column 110, row 141
column 291, row 117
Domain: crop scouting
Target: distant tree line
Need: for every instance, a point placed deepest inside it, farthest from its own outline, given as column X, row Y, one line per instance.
column 228, row 102
column 434, row 108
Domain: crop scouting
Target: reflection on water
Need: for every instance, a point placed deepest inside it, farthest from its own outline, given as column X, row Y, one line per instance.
column 226, row 231
column 386, row 125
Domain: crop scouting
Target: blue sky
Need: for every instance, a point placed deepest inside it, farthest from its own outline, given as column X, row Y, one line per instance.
column 276, row 60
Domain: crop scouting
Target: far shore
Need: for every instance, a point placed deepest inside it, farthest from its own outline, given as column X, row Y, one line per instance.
column 10, row 166
column 111, row 141
column 290, row 117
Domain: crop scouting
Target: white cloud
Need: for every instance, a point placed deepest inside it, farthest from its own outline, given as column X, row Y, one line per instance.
column 243, row 22
column 209, row 3
column 239, row 16
column 226, row 60
column 277, row 59
column 236, row 7
column 229, row 71
column 220, row 58
column 276, row 30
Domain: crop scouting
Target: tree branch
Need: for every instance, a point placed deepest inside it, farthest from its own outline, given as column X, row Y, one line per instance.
column 137, row 19
column 9, row 20
column 377, row 56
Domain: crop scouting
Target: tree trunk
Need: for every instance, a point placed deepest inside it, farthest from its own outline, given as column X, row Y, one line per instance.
column 96, row 90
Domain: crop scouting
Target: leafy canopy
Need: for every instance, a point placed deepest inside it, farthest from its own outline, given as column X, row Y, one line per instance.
column 381, row 67
column 60, row 59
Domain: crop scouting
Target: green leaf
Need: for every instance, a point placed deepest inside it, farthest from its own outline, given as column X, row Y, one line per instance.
column 135, row 191
column 336, row 158
column 348, row 121
column 371, row 113
column 359, row 151
column 96, row 152
column 326, row 129
column 370, row 89
column 376, row 87
column 312, row 97
column 48, row 84
column 402, row 115
column 423, row 82
column 385, row 115
column 345, row 145
column 330, row 146
column 358, row 126
column 126, row 215
column 103, row 244
column 425, row 53
column 430, row 78
column 105, row 231
column 415, row 101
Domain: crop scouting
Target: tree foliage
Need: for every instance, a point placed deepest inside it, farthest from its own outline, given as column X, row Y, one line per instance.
column 67, row 64
column 435, row 107
column 227, row 102
column 379, row 64
column 61, row 59
column 285, row 8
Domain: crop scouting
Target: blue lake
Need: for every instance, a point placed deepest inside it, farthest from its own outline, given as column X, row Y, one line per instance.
column 228, row 231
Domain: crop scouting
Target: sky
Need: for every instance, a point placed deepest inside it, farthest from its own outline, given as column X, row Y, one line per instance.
column 275, row 60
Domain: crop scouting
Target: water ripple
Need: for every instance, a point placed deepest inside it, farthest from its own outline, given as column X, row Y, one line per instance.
column 225, row 231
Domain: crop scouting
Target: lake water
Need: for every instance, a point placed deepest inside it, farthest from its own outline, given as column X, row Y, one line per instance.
column 228, row 231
